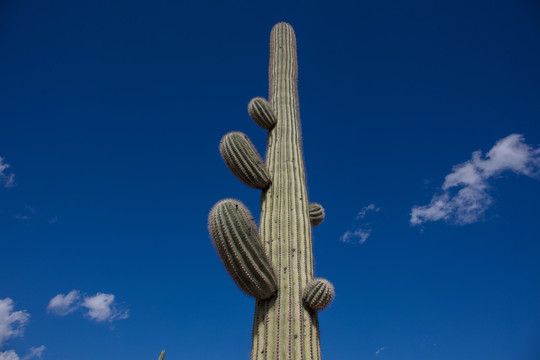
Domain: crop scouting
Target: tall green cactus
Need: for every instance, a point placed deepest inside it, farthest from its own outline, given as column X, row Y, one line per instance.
column 286, row 324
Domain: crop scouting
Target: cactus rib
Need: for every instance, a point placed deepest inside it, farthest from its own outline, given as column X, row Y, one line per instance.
column 243, row 160
column 235, row 236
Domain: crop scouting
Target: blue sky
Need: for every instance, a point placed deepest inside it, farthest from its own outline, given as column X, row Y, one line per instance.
column 421, row 138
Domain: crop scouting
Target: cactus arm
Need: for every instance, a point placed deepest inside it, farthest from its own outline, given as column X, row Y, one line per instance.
column 316, row 214
column 261, row 112
column 319, row 294
column 234, row 233
column 243, row 160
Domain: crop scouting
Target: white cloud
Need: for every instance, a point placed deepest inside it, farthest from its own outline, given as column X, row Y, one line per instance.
column 469, row 203
column 102, row 307
column 64, row 304
column 360, row 231
column 365, row 209
column 7, row 180
column 380, row 350
column 359, row 234
column 9, row 355
column 12, row 323
column 34, row 352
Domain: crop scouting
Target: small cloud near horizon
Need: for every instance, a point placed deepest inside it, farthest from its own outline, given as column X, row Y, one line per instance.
column 466, row 194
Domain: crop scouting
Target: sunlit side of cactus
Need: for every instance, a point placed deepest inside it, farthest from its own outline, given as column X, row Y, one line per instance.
column 286, row 324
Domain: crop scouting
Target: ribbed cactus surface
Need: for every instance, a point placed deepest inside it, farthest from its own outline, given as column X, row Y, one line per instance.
column 243, row 160
column 319, row 294
column 286, row 324
column 235, row 236
column 316, row 214
column 261, row 112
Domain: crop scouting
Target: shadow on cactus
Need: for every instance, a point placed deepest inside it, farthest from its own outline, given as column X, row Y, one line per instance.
column 275, row 264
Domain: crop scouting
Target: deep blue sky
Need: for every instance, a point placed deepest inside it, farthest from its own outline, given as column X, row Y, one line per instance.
column 111, row 114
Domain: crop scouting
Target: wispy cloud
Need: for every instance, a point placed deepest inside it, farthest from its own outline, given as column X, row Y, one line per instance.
column 359, row 235
column 21, row 217
column 466, row 194
column 65, row 304
column 379, row 351
column 361, row 230
column 365, row 209
column 12, row 323
column 101, row 307
column 34, row 352
column 6, row 180
column 9, row 355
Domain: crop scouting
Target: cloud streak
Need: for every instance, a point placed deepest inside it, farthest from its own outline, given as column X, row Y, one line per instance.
column 33, row 352
column 6, row 180
column 360, row 231
column 465, row 195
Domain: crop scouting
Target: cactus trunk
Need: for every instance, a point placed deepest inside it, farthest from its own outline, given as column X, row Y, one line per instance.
column 284, row 328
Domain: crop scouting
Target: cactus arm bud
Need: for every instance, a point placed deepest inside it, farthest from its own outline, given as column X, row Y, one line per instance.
column 319, row 294
column 243, row 160
column 260, row 111
column 316, row 214
column 234, row 234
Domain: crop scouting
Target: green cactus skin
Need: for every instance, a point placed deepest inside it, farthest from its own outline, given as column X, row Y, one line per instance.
column 162, row 355
column 234, row 233
column 316, row 214
column 319, row 294
column 284, row 328
column 243, row 160
column 260, row 111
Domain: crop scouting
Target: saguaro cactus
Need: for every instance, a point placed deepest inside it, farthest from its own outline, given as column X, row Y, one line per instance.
column 286, row 324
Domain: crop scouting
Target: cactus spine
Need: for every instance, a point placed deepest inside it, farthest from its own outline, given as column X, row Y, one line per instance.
column 162, row 355
column 286, row 324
